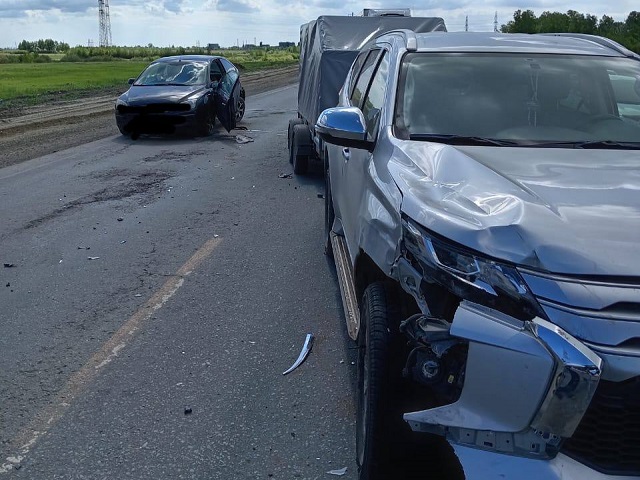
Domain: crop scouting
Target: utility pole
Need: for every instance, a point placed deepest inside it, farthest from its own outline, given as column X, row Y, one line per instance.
column 105, row 23
column 466, row 23
column 495, row 22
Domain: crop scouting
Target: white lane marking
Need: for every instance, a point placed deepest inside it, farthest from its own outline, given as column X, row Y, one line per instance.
column 49, row 415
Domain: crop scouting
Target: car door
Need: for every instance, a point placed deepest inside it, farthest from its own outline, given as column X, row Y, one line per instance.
column 227, row 96
column 368, row 94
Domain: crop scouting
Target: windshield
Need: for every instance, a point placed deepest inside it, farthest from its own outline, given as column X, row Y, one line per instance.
column 545, row 100
column 175, row 73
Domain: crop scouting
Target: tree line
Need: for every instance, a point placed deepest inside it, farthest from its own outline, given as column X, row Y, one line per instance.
column 625, row 32
column 43, row 46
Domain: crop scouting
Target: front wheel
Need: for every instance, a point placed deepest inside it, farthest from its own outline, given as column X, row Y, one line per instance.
column 208, row 125
column 378, row 421
column 240, row 107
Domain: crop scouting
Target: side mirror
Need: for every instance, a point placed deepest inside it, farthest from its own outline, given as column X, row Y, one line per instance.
column 131, row 80
column 344, row 126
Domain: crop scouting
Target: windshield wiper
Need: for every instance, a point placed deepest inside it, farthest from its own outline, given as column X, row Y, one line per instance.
column 461, row 140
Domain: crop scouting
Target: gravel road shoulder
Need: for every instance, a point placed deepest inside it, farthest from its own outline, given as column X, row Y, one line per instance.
column 49, row 128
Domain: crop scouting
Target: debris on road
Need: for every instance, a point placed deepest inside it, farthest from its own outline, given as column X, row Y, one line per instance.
column 138, row 295
column 285, row 175
column 339, row 472
column 321, row 195
column 84, row 248
column 8, row 284
column 123, row 242
column 188, row 411
column 242, row 139
column 120, row 219
column 9, row 265
column 306, row 349
column 93, row 258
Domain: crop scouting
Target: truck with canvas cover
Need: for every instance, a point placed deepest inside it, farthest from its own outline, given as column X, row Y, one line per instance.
column 328, row 47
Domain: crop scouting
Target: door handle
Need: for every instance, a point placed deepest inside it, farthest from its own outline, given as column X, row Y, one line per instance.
column 346, row 153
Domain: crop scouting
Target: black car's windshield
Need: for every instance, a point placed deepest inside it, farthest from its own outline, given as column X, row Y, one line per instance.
column 173, row 73
column 565, row 101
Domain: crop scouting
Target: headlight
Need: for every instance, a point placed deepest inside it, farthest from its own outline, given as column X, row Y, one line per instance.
column 469, row 275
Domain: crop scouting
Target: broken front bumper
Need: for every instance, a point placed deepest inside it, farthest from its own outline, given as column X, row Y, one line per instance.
column 527, row 385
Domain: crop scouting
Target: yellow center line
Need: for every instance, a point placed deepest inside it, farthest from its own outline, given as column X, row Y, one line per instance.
column 42, row 422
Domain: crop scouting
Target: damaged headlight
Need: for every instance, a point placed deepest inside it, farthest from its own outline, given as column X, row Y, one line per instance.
column 469, row 275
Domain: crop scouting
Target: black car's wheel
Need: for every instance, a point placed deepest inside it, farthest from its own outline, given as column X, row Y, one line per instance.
column 122, row 130
column 300, row 140
column 292, row 123
column 208, row 125
column 378, row 422
column 240, row 106
column 329, row 213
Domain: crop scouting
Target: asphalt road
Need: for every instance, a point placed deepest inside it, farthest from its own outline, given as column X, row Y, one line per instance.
column 155, row 292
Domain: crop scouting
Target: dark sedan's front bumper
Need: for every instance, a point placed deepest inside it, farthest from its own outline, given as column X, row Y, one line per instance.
column 156, row 119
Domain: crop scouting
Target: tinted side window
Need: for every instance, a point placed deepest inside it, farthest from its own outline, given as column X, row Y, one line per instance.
column 355, row 70
column 364, row 78
column 228, row 81
column 227, row 64
column 372, row 105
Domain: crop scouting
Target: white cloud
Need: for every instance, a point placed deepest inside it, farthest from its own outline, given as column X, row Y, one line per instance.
column 227, row 22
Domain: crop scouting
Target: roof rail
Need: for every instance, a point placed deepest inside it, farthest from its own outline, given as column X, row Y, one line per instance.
column 602, row 41
column 409, row 37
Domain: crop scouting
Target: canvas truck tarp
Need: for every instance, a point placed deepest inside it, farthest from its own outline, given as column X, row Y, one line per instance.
column 328, row 47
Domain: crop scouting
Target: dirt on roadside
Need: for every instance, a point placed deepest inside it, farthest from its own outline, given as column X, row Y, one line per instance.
column 29, row 132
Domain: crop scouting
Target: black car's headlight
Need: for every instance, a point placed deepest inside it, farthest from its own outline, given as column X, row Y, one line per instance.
column 469, row 275
column 120, row 103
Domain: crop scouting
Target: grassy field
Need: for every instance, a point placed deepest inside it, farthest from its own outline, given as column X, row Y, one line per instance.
column 30, row 80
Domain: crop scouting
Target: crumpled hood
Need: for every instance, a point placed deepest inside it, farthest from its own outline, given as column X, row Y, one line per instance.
column 160, row 94
column 558, row 210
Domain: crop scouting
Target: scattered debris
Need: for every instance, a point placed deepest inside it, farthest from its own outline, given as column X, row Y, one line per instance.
column 90, row 258
column 306, row 349
column 123, row 242
column 242, row 127
column 138, row 295
column 9, row 265
column 120, row 219
column 216, row 236
column 241, row 139
column 8, row 284
column 339, row 472
column 84, row 248
column 321, row 195
column 188, row 411
column 285, row 175
column 341, row 362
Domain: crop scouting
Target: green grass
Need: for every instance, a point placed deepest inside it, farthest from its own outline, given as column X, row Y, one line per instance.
column 33, row 79
column 30, row 80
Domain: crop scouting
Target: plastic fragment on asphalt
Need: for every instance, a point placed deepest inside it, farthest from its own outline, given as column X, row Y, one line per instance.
column 93, row 258
column 188, row 411
column 9, row 265
column 321, row 195
column 241, row 139
column 285, row 175
column 123, row 242
column 120, row 219
column 339, row 472
column 306, row 349
column 84, row 248
column 138, row 295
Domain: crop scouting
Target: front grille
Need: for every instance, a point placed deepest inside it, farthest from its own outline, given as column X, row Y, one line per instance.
column 155, row 108
column 608, row 437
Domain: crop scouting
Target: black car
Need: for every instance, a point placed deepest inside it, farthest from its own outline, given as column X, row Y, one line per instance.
column 182, row 93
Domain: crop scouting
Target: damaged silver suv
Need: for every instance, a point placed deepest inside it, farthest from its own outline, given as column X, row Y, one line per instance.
column 483, row 210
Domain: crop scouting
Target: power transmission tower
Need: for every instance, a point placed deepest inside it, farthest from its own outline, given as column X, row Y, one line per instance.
column 495, row 22
column 466, row 23
column 105, row 23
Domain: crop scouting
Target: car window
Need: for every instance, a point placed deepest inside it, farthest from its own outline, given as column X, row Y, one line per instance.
column 355, row 70
column 216, row 71
column 363, row 78
column 626, row 89
column 372, row 105
column 228, row 66
column 228, row 81
column 525, row 98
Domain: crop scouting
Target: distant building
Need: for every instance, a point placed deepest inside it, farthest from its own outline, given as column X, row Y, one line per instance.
column 213, row 46
column 286, row 44
column 249, row 46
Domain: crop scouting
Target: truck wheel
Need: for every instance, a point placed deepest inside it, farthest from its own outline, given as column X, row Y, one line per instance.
column 378, row 422
column 292, row 123
column 329, row 213
column 300, row 137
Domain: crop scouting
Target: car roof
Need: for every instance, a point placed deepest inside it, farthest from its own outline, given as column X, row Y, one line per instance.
column 517, row 43
column 187, row 58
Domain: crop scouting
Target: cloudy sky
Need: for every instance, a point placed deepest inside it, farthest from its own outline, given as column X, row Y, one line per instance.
column 231, row 22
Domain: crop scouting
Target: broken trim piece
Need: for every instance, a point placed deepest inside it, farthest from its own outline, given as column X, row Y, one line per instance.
column 306, row 349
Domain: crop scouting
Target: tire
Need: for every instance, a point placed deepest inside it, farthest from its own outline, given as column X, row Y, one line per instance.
column 293, row 122
column 379, row 421
column 329, row 213
column 240, row 107
column 208, row 125
column 300, row 161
